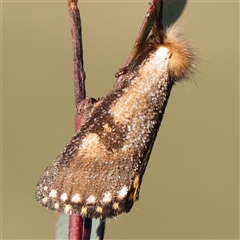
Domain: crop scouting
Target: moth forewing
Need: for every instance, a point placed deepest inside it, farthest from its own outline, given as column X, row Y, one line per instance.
column 99, row 172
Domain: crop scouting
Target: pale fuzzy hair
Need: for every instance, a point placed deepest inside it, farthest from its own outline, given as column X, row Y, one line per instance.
column 182, row 59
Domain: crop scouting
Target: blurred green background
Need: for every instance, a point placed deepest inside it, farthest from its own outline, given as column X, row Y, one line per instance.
column 190, row 189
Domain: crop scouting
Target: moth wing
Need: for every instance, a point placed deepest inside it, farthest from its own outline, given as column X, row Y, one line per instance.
column 88, row 179
column 99, row 172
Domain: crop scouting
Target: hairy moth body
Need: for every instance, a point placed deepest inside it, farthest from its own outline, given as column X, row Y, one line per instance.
column 99, row 172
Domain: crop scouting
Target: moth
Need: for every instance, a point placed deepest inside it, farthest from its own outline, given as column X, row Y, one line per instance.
column 99, row 172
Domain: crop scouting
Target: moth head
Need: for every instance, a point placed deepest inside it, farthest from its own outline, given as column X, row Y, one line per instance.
column 181, row 62
column 170, row 43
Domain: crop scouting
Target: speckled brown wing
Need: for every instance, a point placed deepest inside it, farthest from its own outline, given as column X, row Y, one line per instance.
column 99, row 172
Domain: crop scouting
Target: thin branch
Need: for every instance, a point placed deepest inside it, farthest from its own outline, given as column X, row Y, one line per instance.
column 77, row 228
column 76, row 30
column 155, row 9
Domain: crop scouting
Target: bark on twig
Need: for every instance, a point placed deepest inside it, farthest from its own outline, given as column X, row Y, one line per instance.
column 76, row 30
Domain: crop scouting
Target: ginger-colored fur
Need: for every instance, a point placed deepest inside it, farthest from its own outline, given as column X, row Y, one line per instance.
column 182, row 59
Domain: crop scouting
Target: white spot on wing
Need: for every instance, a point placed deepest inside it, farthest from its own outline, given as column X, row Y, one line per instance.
column 76, row 198
column 107, row 197
column 91, row 199
column 53, row 193
column 64, row 197
column 123, row 192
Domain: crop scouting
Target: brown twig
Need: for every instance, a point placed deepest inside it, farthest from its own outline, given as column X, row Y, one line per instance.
column 155, row 9
column 76, row 30
column 77, row 230
column 75, row 227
